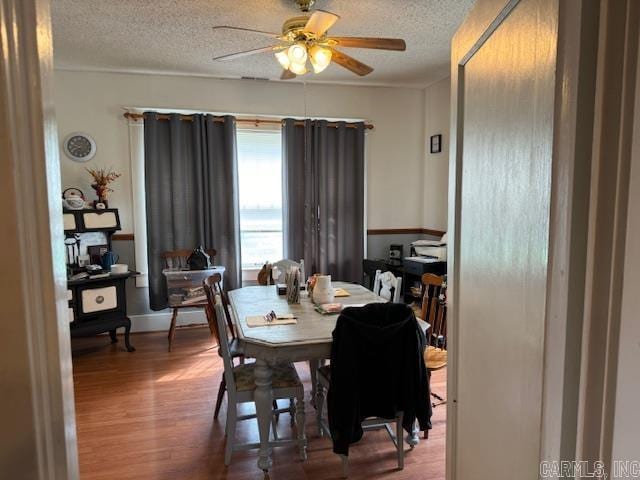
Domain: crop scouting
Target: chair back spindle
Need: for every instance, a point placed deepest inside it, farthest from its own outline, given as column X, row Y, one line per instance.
column 225, row 349
column 213, row 289
column 394, row 294
column 283, row 267
column 369, row 269
column 434, row 309
column 210, row 311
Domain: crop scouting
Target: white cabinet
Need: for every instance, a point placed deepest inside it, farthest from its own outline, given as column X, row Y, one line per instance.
column 99, row 299
column 90, row 220
column 69, row 221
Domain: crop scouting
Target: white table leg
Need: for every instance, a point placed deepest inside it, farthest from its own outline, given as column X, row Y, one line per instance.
column 263, row 399
column 300, row 421
column 314, row 365
column 413, row 438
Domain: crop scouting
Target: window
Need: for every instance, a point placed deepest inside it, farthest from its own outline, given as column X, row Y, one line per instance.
column 260, row 190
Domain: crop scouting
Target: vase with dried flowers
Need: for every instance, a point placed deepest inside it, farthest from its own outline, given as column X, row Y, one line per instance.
column 102, row 177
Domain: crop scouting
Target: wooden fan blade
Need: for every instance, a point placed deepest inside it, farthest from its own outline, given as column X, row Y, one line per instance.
column 287, row 75
column 320, row 21
column 366, row 42
column 246, row 53
column 251, row 30
column 350, row 63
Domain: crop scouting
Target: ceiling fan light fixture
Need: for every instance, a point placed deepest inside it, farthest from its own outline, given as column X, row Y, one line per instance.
column 299, row 68
column 306, row 38
column 320, row 58
column 283, row 59
column 297, row 53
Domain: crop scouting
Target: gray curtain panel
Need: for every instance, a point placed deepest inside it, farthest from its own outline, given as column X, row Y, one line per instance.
column 191, row 193
column 323, row 178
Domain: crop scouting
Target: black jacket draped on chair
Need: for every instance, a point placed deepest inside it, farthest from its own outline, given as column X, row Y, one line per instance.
column 377, row 370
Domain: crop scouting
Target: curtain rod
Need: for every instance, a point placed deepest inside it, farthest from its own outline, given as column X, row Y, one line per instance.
column 253, row 121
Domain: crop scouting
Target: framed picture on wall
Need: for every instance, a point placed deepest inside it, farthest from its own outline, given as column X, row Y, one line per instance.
column 436, row 143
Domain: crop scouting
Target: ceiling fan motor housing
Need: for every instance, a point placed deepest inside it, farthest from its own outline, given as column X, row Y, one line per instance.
column 305, row 5
column 294, row 24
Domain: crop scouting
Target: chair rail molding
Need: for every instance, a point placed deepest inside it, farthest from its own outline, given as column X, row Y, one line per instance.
column 406, row 231
column 372, row 231
column 36, row 405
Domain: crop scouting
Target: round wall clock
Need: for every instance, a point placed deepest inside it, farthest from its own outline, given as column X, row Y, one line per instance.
column 79, row 147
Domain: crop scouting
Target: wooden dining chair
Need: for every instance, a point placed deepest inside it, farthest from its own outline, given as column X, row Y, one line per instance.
column 372, row 423
column 324, row 375
column 266, row 274
column 394, row 294
column 434, row 311
column 216, row 293
column 369, row 269
column 241, row 386
column 177, row 259
column 212, row 287
column 282, row 267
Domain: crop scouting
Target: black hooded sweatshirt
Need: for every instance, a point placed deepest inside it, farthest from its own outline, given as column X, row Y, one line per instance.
column 377, row 369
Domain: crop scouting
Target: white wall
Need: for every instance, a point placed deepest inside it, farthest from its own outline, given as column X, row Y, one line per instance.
column 436, row 166
column 93, row 102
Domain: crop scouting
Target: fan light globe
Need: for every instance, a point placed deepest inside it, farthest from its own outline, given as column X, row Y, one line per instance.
column 297, row 53
column 283, row 59
column 306, row 38
column 298, row 68
column 320, row 58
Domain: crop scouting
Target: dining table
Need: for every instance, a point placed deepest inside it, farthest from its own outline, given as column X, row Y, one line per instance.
column 309, row 339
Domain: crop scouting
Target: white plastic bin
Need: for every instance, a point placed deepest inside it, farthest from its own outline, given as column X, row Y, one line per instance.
column 184, row 287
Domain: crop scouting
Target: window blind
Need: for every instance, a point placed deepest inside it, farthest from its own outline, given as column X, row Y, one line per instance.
column 260, row 196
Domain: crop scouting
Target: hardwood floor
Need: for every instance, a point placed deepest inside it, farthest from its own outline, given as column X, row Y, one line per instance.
column 149, row 415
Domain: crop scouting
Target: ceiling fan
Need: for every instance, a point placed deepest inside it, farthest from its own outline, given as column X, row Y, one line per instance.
column 305, row 39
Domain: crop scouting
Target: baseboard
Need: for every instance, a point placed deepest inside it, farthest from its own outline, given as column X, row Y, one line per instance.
column 159, row 322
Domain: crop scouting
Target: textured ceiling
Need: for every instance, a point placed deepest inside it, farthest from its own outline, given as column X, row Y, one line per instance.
column 175, row 36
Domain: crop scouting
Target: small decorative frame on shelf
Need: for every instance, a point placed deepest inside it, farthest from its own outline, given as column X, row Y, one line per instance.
column 436, row 143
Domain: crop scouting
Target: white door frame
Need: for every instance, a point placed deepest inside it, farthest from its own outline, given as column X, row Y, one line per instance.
column 597, row 55
column 38, row 410
column 485, row 18
column 38, row 421
column 573, row 138
column 613, row 136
